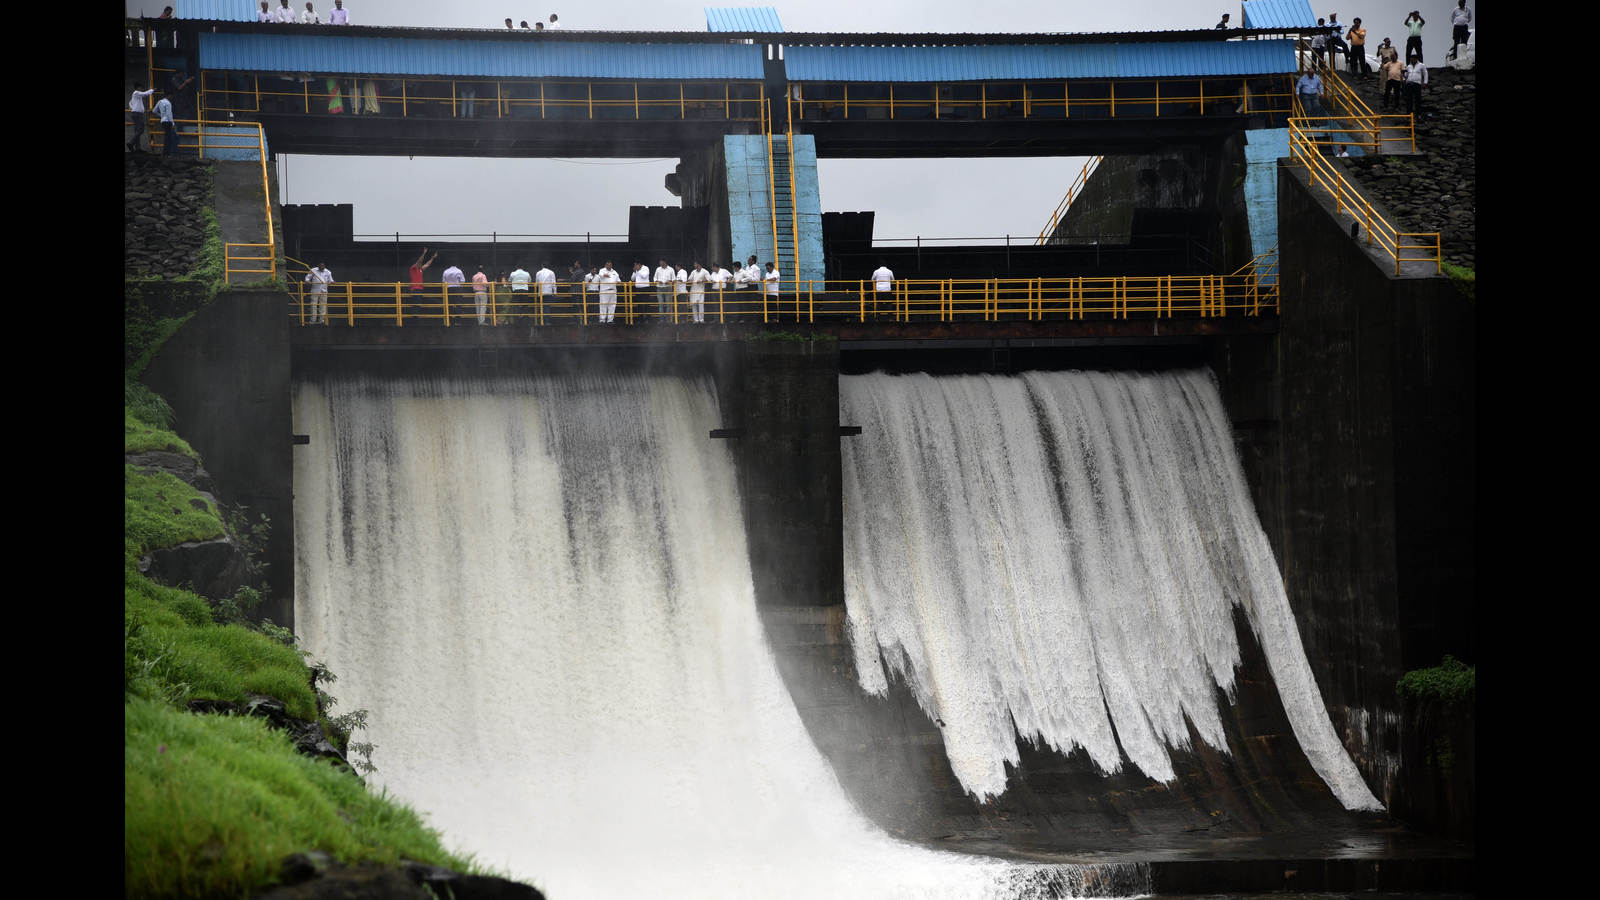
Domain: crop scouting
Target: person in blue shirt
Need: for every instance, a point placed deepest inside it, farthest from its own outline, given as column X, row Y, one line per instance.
column 1309, row 88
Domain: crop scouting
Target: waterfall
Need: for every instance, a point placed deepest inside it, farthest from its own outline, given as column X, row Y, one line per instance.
column 538, row 587
column 1057, row 556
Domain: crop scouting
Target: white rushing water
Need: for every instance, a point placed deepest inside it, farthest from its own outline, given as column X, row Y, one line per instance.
column 1061, row 552
column 539, row 588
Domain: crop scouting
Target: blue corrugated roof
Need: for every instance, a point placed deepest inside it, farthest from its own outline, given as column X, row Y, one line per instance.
column 1163, row 60
column 218, row 10
column 489, row 59
column 1290, row 14
column 743, row 18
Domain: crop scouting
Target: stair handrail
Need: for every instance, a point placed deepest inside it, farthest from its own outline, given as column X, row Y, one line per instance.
column 794, row 213
column 1072, row 193
column 772, row 199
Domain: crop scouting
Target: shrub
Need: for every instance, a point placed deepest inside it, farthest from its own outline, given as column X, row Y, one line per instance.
column 1451, row 681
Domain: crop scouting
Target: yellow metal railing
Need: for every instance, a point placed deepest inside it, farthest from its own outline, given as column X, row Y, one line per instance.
column 238, row 257
column 1072, row 192
column 822, row 101
column 248, row 259
column 772, row 196
column 1401, row 246
column 1344, row 107
column 1251, row 291
column 794, row 215
column 416, row 97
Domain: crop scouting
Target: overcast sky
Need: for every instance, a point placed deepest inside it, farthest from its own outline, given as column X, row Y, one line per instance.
column 933, row 198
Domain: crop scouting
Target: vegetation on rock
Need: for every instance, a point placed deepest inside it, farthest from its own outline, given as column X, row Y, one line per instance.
column 1451, row 681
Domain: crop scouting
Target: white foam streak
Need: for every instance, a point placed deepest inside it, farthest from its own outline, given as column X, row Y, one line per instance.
column 1062, row 552
column 539, row 588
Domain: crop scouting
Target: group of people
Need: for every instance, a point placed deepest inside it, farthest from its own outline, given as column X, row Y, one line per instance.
column 554, row 25
column 286, row 15
column 670, row 285
column 1332, row 38
column 1402, row 84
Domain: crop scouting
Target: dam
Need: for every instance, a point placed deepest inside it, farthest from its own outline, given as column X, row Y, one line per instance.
column 1095, row 582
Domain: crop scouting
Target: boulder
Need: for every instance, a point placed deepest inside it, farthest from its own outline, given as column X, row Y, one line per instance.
column 213, row 569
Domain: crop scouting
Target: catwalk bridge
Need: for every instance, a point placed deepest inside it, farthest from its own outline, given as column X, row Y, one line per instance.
column 477, row 92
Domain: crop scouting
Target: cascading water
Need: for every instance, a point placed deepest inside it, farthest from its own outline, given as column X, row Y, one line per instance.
column 538, row 586
column 1057, row 555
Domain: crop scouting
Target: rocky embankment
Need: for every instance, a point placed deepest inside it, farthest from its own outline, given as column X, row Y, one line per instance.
column 1436, row 191
column 163, row 214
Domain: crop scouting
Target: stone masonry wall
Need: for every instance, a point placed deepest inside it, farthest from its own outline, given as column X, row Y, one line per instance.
column 1438, row 190
column 163, row 214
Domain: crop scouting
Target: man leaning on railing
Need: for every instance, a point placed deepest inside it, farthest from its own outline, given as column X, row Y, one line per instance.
column 882, row 283
column 319, row 278
column 136, row 106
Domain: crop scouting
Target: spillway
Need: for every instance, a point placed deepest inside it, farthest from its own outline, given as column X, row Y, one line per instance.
column 539, row 588
column 1058, row 556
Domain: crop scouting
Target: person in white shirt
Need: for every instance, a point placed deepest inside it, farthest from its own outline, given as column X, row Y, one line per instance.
column 283, row 14
column 608, row 279
column 882, row 288
column 546, row 278
column 452, row 277
column 309, row 16
column 266, row 13
column 679, row 289
column 520, row 279
column 340, row 15
column 553, row 23
column 752, row 273
column 1460, row 26
column 698, row 278
column 591, row 284
column 883, row 279
column 168, row 127
column 663, row 279
column 771, row 278
column 720, row 276
column 136, row 106
column 641, row 284
column 319, row 278
column 1416, row 77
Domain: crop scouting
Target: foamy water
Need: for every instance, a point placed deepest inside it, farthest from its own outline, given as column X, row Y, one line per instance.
column 540, row 590
column 1064, row 551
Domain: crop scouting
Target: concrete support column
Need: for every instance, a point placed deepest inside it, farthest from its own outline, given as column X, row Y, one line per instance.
column 788, row 452
column 750, row 215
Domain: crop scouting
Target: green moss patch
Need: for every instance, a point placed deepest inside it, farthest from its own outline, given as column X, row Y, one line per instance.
column 139, row 436
column 162, row 511
column 1464, row 279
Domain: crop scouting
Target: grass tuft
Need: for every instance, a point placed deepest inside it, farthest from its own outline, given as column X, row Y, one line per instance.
column 214, row 803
